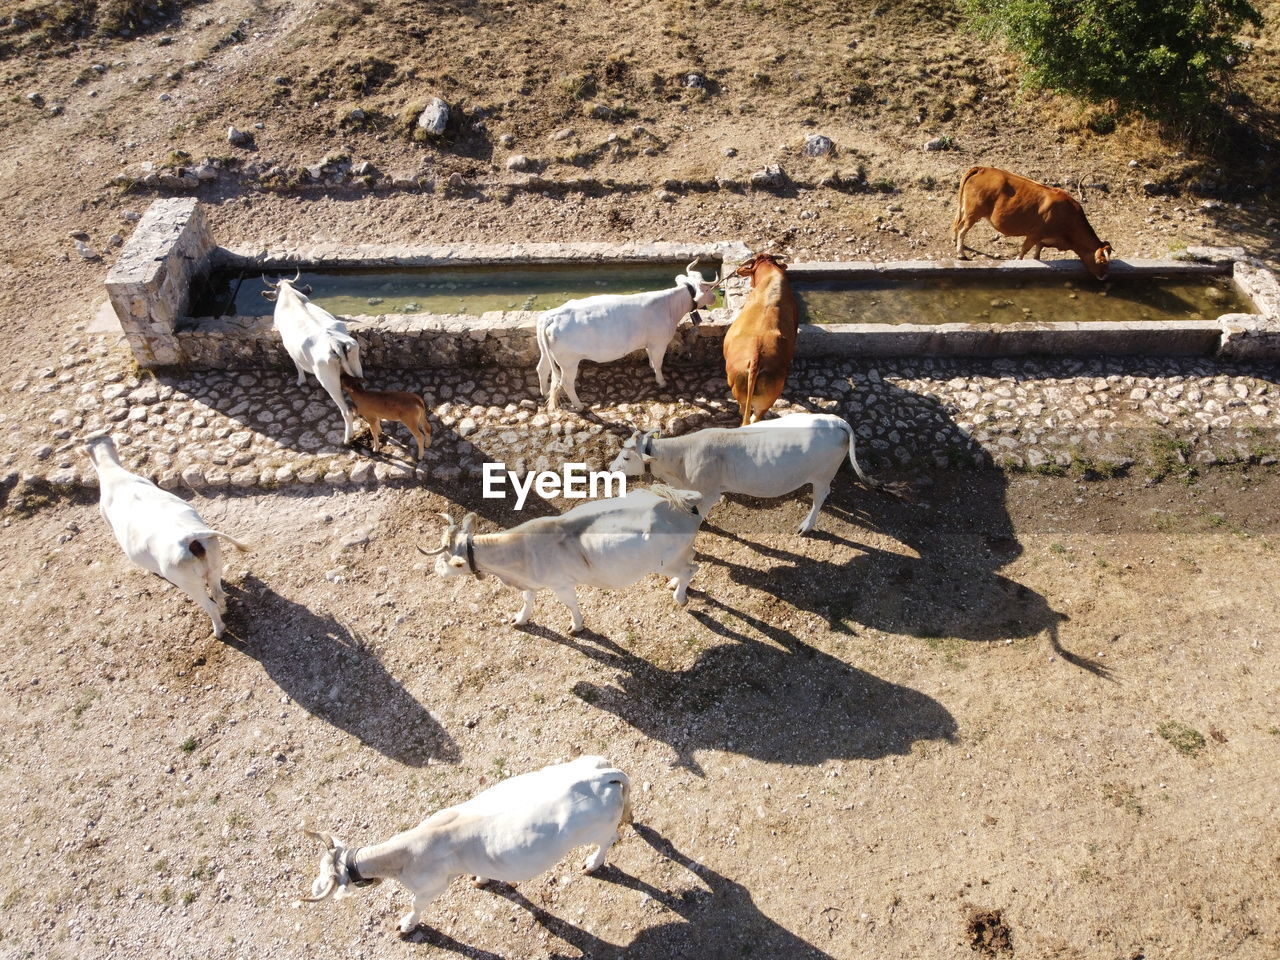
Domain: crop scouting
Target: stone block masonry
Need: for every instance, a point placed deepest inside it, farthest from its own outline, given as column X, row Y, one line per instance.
column 150, row 284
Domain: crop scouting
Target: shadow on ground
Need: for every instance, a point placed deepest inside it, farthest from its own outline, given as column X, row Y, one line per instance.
column 956, row 522
column 329, row 672
column 767, row 695
column 721, row 920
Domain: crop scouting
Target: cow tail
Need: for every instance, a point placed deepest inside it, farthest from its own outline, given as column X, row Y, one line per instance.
column 955, row 226
column 238, row 544
column 867, row 481
column 753, row 369
column 544, row 351
column 625, row 783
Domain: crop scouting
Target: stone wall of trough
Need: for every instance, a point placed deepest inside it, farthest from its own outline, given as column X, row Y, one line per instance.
column 418, row 342
column 150, row 284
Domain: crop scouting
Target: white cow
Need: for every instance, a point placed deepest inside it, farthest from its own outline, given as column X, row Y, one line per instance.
column 766, row 459
column 317, row 341
column 162, row 533
column 606, row 543
column 610, row 326
column 513, row 831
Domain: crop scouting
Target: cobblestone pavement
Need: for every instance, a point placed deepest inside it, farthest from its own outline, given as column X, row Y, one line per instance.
column 256, row 428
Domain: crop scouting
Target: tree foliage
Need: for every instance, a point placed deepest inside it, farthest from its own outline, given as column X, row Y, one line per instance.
column 1167, row 59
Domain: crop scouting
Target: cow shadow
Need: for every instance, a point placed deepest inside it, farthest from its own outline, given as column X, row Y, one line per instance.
column 765, row 695
column 328, row 671
column 722, row 920
column 955, row 527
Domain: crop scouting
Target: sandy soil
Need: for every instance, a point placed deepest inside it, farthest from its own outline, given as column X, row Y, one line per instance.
column 843, row 747
column 1030, row 715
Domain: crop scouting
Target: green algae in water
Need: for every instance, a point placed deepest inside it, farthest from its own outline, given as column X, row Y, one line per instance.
column 458, row 290
column 1006, row 300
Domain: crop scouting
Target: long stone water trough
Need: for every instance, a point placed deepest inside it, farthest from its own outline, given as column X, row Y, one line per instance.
column 150, row 288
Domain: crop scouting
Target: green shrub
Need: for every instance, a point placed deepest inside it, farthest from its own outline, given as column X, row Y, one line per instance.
column 1167, row 59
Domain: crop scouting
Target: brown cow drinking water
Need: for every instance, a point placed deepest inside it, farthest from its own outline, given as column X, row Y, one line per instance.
column 1018, row 207
column 761, row 341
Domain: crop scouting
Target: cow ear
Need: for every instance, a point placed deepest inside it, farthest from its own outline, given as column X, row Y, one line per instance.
column 468, row 523
column 269, row 294
column 307, row 289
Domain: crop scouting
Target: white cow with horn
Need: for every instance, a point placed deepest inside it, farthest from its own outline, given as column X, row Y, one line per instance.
column 607, row 543
column 611, row 325
column 317, row 341
column 765, row 459
column 511, row 832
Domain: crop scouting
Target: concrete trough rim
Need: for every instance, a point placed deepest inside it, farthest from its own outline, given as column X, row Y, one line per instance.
column 149, row 288
column 1065, row 268
column 388, row 256
column 1018, row 338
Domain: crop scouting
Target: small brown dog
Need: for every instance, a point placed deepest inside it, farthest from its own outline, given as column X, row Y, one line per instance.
column 378, row 405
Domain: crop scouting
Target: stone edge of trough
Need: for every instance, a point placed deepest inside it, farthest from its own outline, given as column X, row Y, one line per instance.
column 149, row 288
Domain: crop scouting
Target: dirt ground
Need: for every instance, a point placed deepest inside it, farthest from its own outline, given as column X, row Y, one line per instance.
column 845, row 746
column 1030, row 716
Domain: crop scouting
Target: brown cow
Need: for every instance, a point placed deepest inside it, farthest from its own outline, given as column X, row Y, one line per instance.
column 1018, row 207
column 378, row 405
column 761, row 341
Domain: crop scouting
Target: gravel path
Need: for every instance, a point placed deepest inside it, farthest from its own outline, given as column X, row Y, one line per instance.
column 257, row 429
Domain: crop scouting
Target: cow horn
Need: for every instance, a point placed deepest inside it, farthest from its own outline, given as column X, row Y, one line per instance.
column 326, row 840
column 267, row 281
column 333, row 882
column 432, row 553
column 689, row 268
column 297, row 276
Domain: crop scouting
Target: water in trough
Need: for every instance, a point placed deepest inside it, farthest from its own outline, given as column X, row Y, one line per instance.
column 995, row 299
column 442, row 290
column 473, row 290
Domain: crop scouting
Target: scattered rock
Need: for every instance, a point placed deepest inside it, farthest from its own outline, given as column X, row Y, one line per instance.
column 435, row 118
column 817, row 145
column 695, row 81
column 86, row 252
column 518, row 163
column 772, row 176
column 35, row 99
column 238, row 138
